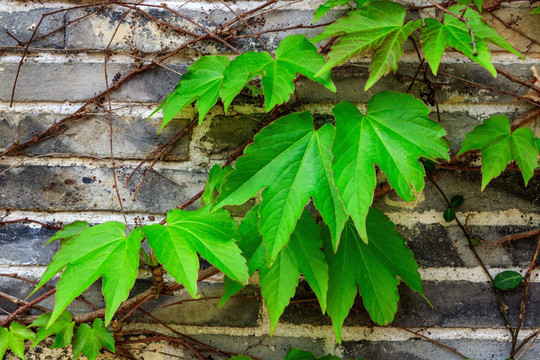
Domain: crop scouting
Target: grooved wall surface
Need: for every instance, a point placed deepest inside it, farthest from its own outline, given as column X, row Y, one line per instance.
column 69, row 176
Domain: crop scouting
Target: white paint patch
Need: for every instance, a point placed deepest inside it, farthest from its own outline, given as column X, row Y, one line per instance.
column 98, row 163
column 17, row 5
column 476, row 274
column 349, row 333
column 478, row 218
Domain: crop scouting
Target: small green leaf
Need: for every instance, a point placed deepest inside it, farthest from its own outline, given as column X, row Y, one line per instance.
column 215, row 180
column 478, row 3
column 68, row 232
column 507, row 280
column 475, row 241
column 296, row 354
column 499, row 146
column 102, row 250
column 449, row 214
column 14, row 338
column 89, row 340
column 456, row 201
column 452, row 32
column 371, row 268
column 393, row 137
column 536, row 11
column 294, row 55
column 290, row 160
column 190, row 232
column 241, row 357
column 378, row 26
column 62, row 328
column 202, row 82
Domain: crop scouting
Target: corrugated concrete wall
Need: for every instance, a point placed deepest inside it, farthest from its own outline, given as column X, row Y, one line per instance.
column 68, row 177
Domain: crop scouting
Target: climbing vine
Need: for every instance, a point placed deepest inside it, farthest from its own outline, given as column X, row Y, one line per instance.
column 343, row 245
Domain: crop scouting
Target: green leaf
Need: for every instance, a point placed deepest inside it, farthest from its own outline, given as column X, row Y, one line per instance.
column 190, row 232
column 89, row 340
column 296, row 354
column 14, row 338
column 291, row 161
column 454, row 33
column 536, row 11
column 301, row 255
column 377, row 26
column 456, row 201
column 241, row 357
column 372, row 268
column 252, row 249
column 202, row 82
column 294, row 55
column 478, row 3
column 278, row 283
column 330, row 4
column 62, row 328
column 499, row 146
column 449, row 214
column 507, row 280
column 215, row 180
column 68, row 232
column 102, row 250
column 394, row 133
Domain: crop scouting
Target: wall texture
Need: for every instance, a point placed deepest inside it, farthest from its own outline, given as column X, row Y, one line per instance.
column 69, row 176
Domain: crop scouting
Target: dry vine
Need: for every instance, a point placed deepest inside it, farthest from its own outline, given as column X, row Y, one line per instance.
column 225, row 34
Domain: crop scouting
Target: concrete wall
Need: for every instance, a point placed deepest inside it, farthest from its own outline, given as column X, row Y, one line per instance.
column 69, row 177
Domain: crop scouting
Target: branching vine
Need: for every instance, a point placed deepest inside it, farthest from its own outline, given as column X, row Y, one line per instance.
column 344, row 247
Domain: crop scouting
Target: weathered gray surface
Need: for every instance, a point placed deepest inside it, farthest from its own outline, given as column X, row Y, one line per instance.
column 70, row 173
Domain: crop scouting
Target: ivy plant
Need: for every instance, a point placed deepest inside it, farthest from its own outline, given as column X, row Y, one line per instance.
column 354, row 248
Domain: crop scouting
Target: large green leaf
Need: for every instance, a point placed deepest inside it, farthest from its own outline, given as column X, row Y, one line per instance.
column 14, row 338
column 89, row 340
column 377, row 26
column 294, row 55
column 453, row 33
column 291, row 161
column 372, row 268
column 190, row 232
column 499, row 146
column 301, row 255
column 62, row 329
column 102, row 250
column 202, row 82
column 393, row 134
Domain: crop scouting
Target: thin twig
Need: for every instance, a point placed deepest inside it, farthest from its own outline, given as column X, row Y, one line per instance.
column 27, row 306
column 502, row 304
column 532, row 337
column 25, row 219
column 239, row 17
column 454, row 350
column 523, row 303
column 20, row 302
column 461, row 19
